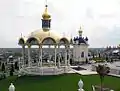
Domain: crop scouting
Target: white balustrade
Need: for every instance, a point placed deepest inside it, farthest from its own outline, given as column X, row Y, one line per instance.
column 80, row 84
column 11, row 87
column 111, row 90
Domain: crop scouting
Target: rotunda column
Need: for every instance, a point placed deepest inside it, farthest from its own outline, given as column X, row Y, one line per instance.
column 23, row 54
column 59, row 56
column 29, row 58
column 65, row 55
column 68, row 55
column 41, row 56
column 55, row 55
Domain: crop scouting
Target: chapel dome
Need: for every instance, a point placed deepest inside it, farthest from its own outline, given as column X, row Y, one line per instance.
column 41, row 35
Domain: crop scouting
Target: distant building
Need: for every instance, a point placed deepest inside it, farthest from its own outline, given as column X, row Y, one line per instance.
column 80, row 48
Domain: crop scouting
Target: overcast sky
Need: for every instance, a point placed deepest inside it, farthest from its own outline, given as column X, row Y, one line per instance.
column 100, row 19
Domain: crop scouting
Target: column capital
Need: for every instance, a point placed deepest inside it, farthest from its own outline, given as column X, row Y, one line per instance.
column 67, row 46
column 29, row 46
column 23, row 45
column 40, row 46
column 58, row 46
column 55, row 46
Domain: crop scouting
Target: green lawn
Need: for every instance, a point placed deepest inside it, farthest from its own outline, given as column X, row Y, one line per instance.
column 67, row 82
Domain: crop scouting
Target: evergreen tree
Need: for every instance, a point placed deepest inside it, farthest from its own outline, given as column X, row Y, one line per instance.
column 93, row 55
column 0, row 63
column 57, row 59
column 11, row 70
column 70, row 61
column 99, row 55
column 106, row 58
column 6, row 63
column 16, row 66
column 3, row 67
column 26, row 61
column 86, row 60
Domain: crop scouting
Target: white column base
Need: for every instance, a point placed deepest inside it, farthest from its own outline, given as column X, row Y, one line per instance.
column 80, row 89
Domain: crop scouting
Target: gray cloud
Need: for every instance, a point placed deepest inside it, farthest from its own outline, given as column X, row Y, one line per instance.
column 24, row 16
column 89, row 13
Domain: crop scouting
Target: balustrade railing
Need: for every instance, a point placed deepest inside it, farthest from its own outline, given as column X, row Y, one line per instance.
column 80, row 85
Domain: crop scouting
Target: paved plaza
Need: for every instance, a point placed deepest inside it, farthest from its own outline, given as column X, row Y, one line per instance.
column 115, row 69
column 114, row 65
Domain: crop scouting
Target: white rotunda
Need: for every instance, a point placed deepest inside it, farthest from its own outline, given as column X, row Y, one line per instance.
column 46, row 37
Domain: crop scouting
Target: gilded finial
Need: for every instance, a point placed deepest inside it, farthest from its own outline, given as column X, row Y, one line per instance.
column 63, row 34
column 45, row 15
column 80, row 28
column 71, row 36
column 21, row 35
column 80, row 31
column 46, row 3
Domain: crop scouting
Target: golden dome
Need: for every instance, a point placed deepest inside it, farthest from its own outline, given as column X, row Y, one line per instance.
column 22, row 40
column 45, row 14
column 41, row 35
column 80, row 31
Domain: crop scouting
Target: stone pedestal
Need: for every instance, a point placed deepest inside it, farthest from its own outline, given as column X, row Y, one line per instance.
column 80, row 89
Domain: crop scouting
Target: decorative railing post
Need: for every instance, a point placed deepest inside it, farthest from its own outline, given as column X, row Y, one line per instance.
column 80, row 84
column 111, row 90
column 11, row 87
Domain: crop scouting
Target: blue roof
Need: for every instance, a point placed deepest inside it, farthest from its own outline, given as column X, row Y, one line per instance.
column 86, row 38
column 80, row 40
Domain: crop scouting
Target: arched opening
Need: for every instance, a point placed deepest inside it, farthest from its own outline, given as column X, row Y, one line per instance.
column 63, row 41
column 21, row 41
column 48, row 45
column 82, row 54
column 64, row 50
column 32, row 41
column 48, row 41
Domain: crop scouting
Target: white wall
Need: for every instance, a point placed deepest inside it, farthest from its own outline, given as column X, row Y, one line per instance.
column 77, row 50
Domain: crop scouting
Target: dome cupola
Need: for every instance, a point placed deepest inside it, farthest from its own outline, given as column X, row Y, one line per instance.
column 45, row 15
column 80, row 32
column 46, row 19
column 86, row 38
